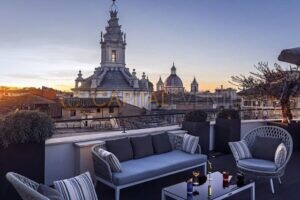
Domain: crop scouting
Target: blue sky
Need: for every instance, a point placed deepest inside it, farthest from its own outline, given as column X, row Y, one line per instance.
column 45, row 42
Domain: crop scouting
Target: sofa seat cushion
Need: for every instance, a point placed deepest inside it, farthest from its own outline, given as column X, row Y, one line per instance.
column 258, row 164
column 155, row 165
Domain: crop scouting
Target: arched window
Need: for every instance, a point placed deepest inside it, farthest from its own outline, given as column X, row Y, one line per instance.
column 113, row 56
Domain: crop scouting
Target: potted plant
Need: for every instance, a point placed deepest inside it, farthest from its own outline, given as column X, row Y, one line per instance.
column 227, row 129
column 22, row 147
column 196, row 123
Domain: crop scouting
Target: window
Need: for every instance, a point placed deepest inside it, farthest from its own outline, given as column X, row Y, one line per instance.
column 111, row 109
column 72, row 113
column 98, row 110
column 113, row 56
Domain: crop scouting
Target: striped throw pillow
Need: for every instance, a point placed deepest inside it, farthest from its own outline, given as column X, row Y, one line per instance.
column 111, row 159
column 280, row 155
column 78, row 188
column 190, row 143
column 240, row 150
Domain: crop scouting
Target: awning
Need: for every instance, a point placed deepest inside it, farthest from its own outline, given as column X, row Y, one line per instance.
column 290, row 56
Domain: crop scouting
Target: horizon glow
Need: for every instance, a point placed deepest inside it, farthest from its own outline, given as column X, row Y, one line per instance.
column 45, row 43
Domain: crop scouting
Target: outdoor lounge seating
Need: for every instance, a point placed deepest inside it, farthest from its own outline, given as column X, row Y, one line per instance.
column 136, row 171
column 25, row 187
column 79, row 187
column 262, row 167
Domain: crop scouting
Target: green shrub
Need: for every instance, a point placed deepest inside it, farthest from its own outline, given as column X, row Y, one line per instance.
column 196, row 116
column 229, row 114
column 25, row 127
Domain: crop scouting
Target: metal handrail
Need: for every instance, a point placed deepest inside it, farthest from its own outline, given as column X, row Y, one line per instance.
column 119, row 117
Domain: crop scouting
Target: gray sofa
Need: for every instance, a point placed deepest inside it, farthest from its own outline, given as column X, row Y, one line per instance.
column 152, row 167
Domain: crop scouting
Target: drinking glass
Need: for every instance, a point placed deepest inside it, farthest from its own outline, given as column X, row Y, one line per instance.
column 225, row 176
column 196, row 174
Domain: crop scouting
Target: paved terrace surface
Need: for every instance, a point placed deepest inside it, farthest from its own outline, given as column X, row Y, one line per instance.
column 290, row 188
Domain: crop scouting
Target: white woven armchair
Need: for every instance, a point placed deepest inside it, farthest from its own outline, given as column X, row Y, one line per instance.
column 264, row 169
column 25, row 187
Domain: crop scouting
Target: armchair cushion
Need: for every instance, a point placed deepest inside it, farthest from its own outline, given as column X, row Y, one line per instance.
column 280, row 155
column 49, row 192
column 111, row 159
column 161, row 143
column 265, row 147
column 190, row 143
column 121, row 148
column 77, row 188
column 240, row 150
column 142, row 146
column 258, row 164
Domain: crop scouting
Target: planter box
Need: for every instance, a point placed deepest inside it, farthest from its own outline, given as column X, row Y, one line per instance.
column 200, row 129
column 25, row 159
column 293, row 129
column 226, row 130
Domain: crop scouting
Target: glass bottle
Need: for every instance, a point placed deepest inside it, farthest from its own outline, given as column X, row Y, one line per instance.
column 209, row 190
column 209, row 169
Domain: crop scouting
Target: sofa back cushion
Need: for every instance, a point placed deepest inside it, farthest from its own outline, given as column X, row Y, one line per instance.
column 161, row 143
column 265, row 148
column 176, row 138
column 121, row 148
column 142, row 146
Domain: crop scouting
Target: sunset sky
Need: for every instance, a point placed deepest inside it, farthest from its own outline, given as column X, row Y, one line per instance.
column 46, row 42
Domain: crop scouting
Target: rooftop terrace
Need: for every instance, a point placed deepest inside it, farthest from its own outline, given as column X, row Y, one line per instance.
column 70, row 155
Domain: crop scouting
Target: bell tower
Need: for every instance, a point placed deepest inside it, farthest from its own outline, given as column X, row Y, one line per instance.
column 113, row 41
column 194, row 86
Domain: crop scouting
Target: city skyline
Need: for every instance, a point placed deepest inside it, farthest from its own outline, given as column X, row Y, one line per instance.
column 200, row 35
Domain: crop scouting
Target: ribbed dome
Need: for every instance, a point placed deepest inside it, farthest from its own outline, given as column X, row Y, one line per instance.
column 173, row 81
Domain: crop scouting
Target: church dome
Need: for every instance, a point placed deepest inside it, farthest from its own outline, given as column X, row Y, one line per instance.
column 173, row 80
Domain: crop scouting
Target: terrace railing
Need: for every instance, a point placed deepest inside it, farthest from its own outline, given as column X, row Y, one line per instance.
column 123, row 123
